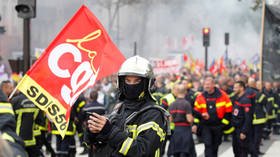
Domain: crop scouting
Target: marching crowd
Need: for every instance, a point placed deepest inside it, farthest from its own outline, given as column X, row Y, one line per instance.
column 234, row 106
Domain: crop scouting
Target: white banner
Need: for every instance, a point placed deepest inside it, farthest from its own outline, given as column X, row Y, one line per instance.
column 169, row 65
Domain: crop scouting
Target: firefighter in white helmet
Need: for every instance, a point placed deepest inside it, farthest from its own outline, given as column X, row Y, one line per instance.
column 137, row 126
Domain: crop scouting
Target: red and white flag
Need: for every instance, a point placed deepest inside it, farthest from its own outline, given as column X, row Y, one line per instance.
column 80, row 54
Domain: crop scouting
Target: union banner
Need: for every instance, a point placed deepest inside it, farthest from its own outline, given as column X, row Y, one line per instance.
column 80, row 54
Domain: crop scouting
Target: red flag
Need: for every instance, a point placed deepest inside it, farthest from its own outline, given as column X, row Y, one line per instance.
column 222, row 65
column 81, row 54
column 214, row 67
column 244, row 66
column 185, row 57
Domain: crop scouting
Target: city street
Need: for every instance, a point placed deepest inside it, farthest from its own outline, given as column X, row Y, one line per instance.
column 129, row 72
column 269, row 147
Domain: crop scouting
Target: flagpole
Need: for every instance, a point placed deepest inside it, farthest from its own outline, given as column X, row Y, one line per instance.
column 261, row 43
column 12, row 94
column 14, row 91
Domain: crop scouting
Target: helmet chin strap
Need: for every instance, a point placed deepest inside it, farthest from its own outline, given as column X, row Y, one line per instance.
column 141, row 95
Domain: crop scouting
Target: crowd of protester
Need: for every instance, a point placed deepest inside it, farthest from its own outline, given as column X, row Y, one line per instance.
column 178, row 93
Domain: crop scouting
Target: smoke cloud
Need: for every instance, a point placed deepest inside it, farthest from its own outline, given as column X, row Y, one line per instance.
column 157, row 26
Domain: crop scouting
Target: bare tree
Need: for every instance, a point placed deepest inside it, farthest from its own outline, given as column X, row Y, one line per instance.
column 113, row 7
column 257, row 4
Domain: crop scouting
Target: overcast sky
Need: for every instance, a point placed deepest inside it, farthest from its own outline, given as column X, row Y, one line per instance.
column 152, row 25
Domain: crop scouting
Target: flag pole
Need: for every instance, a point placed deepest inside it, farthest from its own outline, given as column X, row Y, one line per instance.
column 14, row 91
column 12, row 94
column 261, row 42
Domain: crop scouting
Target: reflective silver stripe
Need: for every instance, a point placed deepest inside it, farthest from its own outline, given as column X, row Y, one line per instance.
column 132, row 129
column 259, row 121
column 270, row 99
column 229, row 131
column 196, row 120
column 154, row 126
column 6, row 108
column 61, row 152
column 126, row 146
column 157, row 154
column 261, row 98
column 6, row 136
column 94, row 108
column 72, row 146
column 225, row 121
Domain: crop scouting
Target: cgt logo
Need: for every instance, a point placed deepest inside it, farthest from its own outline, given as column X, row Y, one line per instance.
column 83, row 76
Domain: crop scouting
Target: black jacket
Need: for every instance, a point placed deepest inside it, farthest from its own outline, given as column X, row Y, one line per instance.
column 141, row 136
column 8, row 127
column 259, row 115
column 29, row 115
column 242, row 114
column 271, row 105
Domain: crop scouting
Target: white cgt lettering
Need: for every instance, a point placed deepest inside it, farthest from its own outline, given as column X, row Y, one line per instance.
column 88, row 79
column 56, row 54
column 82, row 77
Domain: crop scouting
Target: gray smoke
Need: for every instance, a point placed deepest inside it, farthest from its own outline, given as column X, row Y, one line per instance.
column 150, row 23
column 187, row 18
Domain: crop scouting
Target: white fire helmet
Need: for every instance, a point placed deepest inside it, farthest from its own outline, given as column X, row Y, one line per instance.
column 137, row 66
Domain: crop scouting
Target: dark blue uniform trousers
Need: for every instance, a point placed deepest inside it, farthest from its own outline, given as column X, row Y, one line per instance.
column 212, row 138
column 241, row 148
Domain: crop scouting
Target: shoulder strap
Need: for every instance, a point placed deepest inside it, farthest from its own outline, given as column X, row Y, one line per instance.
column 134, row 114
column 162, row 110
column 117, row 108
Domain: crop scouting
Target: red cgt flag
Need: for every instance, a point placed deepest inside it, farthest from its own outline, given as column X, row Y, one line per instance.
column 81, row 54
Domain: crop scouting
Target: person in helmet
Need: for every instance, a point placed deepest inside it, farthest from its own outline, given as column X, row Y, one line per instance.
column 14, row 144
column 137, row 126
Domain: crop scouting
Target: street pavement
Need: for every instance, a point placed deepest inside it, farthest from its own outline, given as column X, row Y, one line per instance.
column 271, row 148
